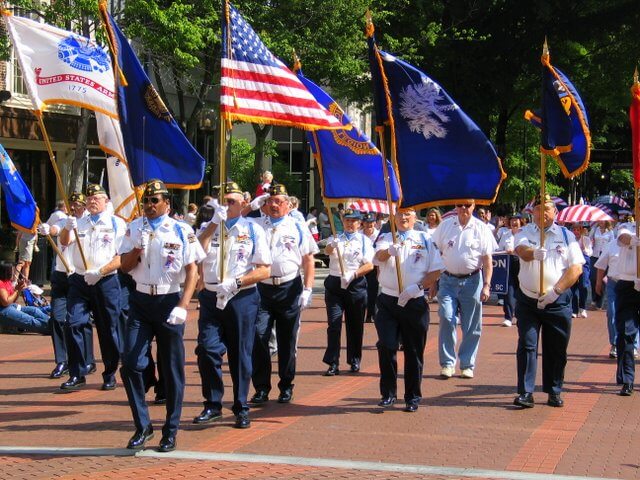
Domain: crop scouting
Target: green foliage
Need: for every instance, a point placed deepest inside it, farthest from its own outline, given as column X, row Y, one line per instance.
column 242, row 168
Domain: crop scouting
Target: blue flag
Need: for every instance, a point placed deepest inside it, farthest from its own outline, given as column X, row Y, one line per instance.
column 21, row 206
column 563, row 121
column 442, row 156
column 350, row 164
column 154, row 144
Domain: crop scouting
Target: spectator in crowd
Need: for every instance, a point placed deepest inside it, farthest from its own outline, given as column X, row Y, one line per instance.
column 312, row 223
column 323, row 223
column 26, row 245
column 337, row 217
column 294, row 204
column 434, row 218
column 192, row 211
column 266, row 181
column 600, row 238
column 507, row 244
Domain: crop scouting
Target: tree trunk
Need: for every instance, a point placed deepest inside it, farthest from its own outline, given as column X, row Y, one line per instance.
column 261, row 132
column 180, row 93
column 76, row 174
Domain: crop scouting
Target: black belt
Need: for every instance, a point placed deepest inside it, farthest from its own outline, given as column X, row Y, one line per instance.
column 464, row 275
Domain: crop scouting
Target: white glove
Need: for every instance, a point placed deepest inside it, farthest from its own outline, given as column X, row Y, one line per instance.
column 220, row 215
column 394, row 250
column 227, row 288
column 71, row 223
column 635, row 241
column 336, row 244
column 213, row 203
column 305, row 299
column 636, row 285
column 539, row 254
column 143, row 239
column 44, row 229
column 177, row 316
column 221, row 302
column 412, row 291
column 548, row 298
column 259, row 201
column 347, row 278
column 92, row 276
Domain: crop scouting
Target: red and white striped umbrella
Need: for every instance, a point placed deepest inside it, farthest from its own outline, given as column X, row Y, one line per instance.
column 369, row 205
column 582, row 213
column 612, row 199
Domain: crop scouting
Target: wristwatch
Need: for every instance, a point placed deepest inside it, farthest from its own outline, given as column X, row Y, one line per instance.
column 557, row 290
column 420, row 286
column 238, row 282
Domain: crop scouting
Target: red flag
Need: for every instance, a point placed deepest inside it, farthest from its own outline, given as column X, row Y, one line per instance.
column 634, row 118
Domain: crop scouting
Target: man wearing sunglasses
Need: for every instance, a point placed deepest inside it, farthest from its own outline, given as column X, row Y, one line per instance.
column 93, row 288
column 283, row 295
column 160, row 253
column 466, row 245
column 229, row 305
column 547, row 312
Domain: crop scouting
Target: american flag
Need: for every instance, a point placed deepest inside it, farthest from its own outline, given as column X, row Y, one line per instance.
column 259, row 88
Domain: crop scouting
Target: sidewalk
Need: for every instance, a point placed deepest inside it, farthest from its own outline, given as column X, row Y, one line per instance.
column 333, row 428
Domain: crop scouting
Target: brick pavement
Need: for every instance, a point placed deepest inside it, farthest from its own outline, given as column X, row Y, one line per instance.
column 462, row 424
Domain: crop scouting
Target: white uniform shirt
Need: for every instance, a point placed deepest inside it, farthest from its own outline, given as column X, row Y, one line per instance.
column 586, row 245
column 627, row 254
column 600, row 240
column 610, row 260
column 462, row 248
column 59, row 221
column 418, row 256
column 288, row 242
column 507, row 241
column 358, row 251
column 562, row 252
column 100, row 241
column 245, row 246
column 172, row 246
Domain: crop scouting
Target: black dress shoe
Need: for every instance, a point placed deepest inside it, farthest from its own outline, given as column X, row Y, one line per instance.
column 286, row 395
column 626, row 390
column 411, row 407
column 355, row 365
column 91, row 368
column 554, row 400
column 109, row 384
column 160, row 400
column 208, row 415
column 140, row 438
column 167, row 444
column 387, row 401
column 74, row 383
column 332, row 371
column 261, row 396
column 242, row 420
column 60, row 370
column 524, row 400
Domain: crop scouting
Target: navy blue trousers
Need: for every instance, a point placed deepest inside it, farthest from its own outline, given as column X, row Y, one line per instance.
column 279, row 306
column 412, row 322
column 103, row 300
column 230, row 331
column 627, row 318
column 555, row 323
column 351, row 303
column 147, row 319
column 372, row 291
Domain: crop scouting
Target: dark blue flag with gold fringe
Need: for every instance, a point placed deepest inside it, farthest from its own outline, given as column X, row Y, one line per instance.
column 562, row 120
column 21, row 207
column 350, row 165
column 154, row 144
column 441, row 155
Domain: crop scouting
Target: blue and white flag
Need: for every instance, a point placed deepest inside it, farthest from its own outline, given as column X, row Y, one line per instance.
column 442, row 156
column 21, row 207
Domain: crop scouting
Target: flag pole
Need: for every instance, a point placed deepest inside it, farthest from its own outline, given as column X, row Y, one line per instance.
column 543, row 192
column 52, row 157
column 370, row 29
column 636, row 190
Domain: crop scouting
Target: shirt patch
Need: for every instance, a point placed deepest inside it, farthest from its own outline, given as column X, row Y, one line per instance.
column 191, row 237
column 172, row 246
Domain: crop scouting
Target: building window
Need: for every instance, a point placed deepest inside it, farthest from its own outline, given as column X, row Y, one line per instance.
column 289, row 147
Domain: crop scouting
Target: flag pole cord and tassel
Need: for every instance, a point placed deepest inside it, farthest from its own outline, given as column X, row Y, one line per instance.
column 59, row 183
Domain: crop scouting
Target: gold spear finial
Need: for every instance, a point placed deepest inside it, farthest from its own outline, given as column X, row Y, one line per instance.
column 297, row 65
column 635, row 76
column 545, row 47
column 369, row 29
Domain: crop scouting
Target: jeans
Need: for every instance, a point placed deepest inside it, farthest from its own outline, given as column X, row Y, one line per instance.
column 31, row 319
column 464, row 294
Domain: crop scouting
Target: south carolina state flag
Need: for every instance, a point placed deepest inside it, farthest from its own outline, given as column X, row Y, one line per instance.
column 21, row 206
column 442, row 155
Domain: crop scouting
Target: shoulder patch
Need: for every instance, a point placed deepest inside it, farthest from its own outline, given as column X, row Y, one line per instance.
column 191, row 237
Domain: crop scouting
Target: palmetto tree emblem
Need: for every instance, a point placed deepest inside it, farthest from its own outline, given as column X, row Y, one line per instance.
column 425, row 109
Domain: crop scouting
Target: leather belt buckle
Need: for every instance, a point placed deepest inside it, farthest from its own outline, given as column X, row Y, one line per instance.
column 276, row 280
column 153, row 290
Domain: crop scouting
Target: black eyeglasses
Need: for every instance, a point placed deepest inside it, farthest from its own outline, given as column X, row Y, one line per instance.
column 153, row 200
column 463, row 205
